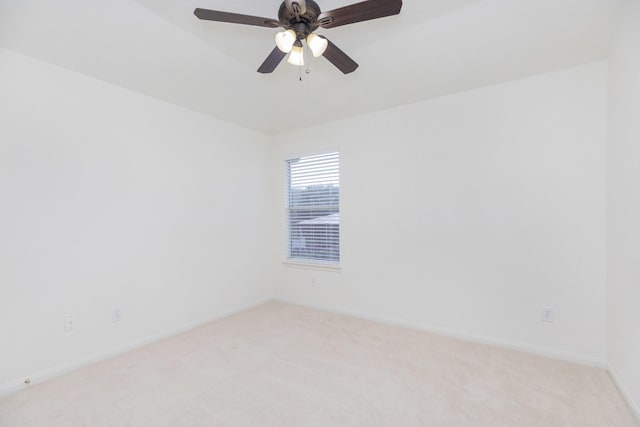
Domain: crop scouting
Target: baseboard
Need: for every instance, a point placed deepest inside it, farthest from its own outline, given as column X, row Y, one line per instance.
column 38, row 377
column 512, row 345
column 635, row 408
column 46, row 374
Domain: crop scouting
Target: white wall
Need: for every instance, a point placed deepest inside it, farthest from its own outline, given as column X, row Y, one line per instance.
column 469, row 213
column 623, row 326
column 464, row 214
column 113, row 199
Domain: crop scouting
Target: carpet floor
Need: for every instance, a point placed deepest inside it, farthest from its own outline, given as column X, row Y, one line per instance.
column 285, row 365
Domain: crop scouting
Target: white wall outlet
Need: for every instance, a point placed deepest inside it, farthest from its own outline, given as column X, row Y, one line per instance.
column 70, row 322
column 314, row 281
column 546, row 315
column 116, row 314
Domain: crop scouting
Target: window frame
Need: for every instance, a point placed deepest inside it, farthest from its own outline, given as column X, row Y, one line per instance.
column 309, row 263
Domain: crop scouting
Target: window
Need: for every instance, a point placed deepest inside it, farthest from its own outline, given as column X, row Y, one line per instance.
column 313, row 207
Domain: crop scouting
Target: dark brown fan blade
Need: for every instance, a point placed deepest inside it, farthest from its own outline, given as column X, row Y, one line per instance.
column 300, row 8
column 340, row 59
column 235, row 18
column 272, row 61
column 364, row 11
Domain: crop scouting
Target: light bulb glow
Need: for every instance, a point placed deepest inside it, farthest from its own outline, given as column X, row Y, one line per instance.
column 317, row 44
column 296, row 57
column 285, row 40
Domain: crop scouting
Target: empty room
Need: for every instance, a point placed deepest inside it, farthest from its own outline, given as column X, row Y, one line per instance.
column 320, row 213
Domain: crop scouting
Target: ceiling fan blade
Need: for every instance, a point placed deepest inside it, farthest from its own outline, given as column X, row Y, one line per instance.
column 235, row 18
column 300, row 8
column 340, row 59
column 272, row 61
column 364, row 11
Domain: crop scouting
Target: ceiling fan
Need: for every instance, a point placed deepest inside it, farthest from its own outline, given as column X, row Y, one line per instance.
column 300, row 18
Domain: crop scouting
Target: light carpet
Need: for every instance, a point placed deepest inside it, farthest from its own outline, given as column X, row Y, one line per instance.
column 284, row 365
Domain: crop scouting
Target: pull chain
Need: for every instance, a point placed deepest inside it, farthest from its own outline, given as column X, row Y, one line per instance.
column 305, row 47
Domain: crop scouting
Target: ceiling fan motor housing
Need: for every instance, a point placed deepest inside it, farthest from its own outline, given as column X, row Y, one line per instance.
column 303, row 24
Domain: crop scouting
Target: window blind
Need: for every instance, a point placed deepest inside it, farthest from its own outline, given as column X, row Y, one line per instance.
column 313, row 207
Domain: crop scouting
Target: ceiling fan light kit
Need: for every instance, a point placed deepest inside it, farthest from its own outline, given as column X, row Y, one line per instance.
column 296, row 57
column 300, row 18
column 317, row 44
column 285, row 40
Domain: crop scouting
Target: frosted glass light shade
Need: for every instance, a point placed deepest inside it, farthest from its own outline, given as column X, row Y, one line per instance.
column 296, row 56
column 317, row 44
column 285, row 40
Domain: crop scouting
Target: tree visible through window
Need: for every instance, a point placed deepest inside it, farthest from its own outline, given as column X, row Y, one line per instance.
column 314, row 215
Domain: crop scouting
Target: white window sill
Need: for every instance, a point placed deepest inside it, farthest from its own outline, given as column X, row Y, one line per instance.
column 313, row 265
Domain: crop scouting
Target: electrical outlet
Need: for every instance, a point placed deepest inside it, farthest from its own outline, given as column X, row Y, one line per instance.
column 70, row 322
column 314, row 281
column 116, row 315
column 546, row 315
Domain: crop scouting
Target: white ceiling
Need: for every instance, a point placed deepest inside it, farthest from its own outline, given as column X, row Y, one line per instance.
column 434, row 47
